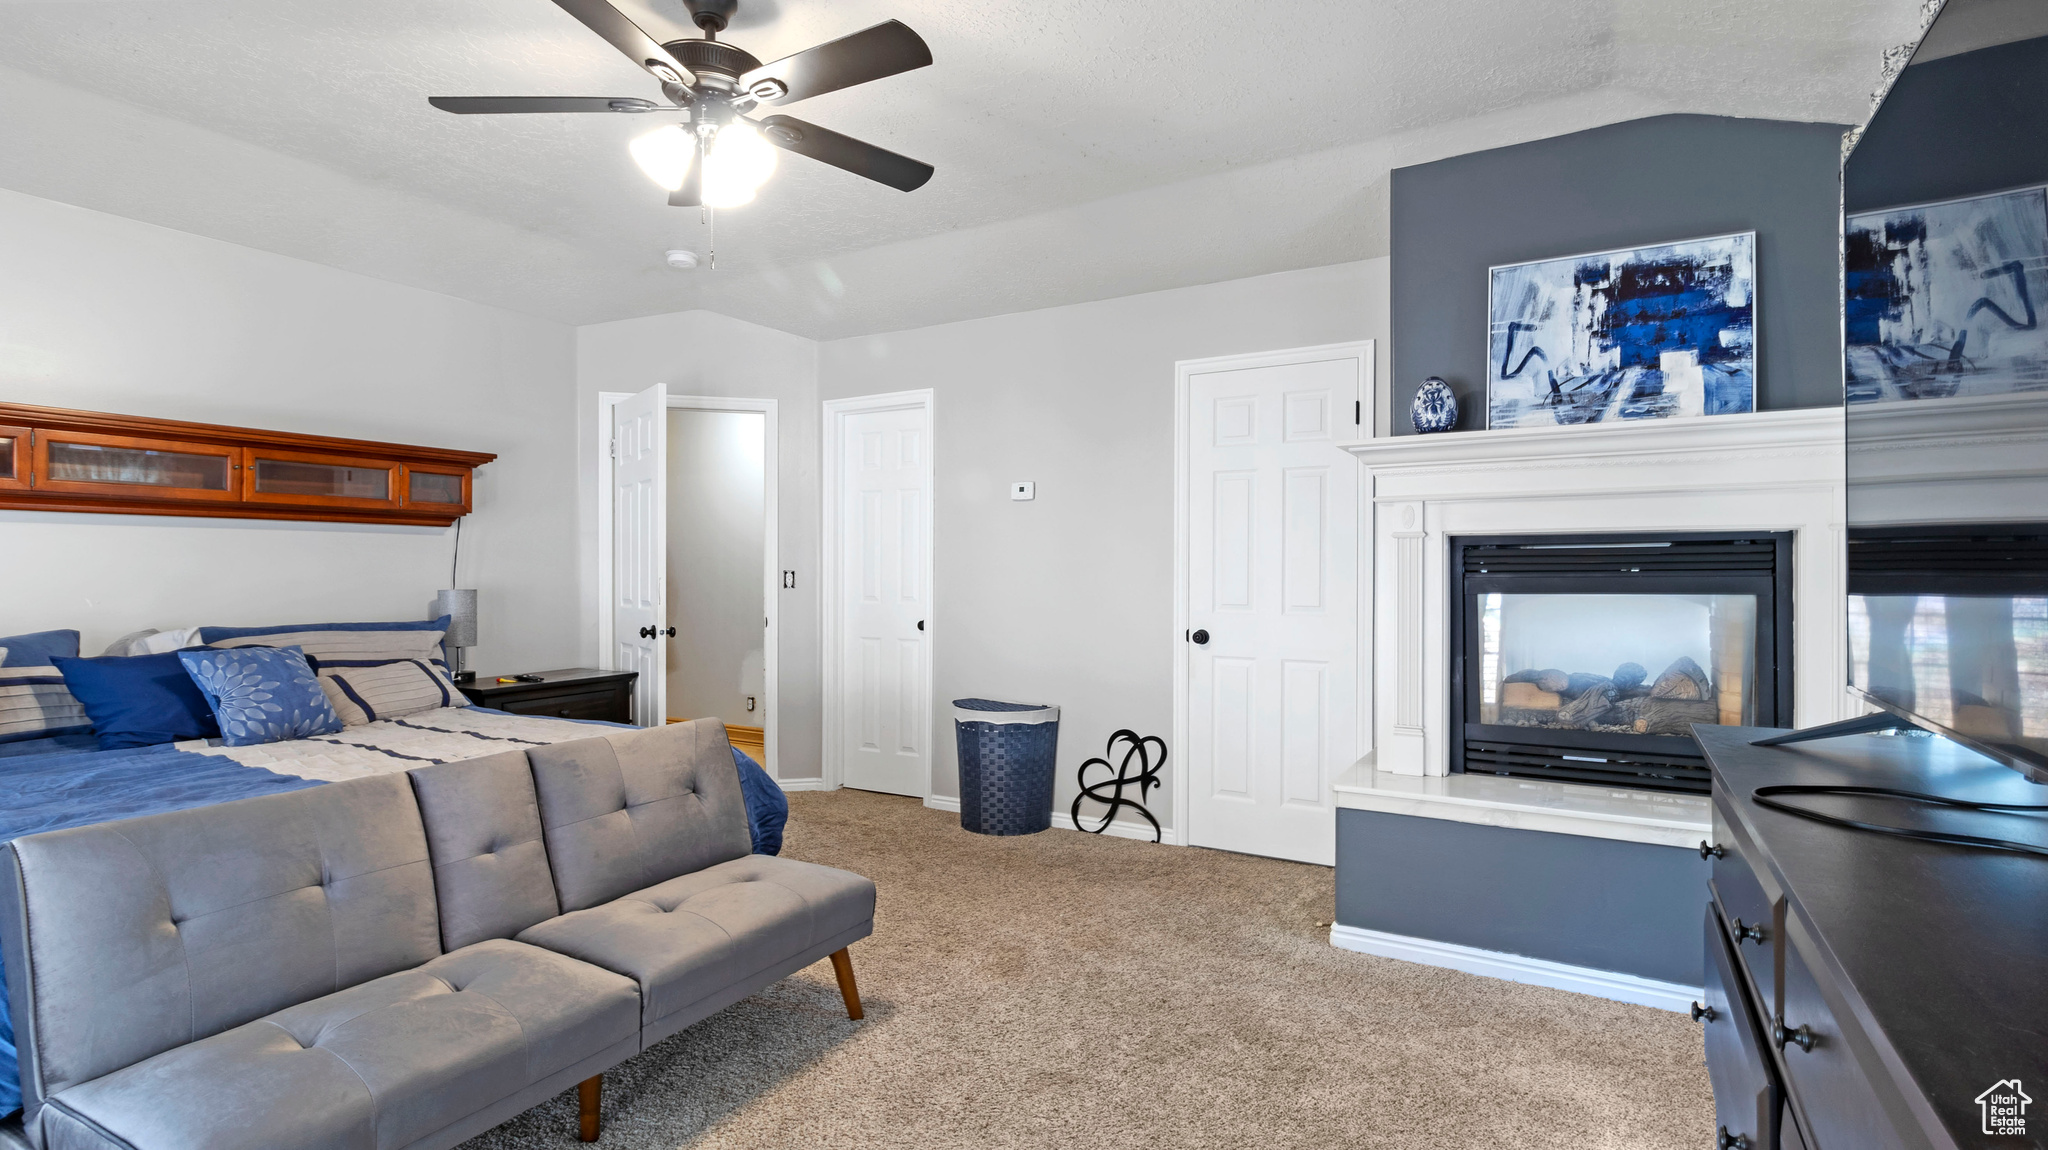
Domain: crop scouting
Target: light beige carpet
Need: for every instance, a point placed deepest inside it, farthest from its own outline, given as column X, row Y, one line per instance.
column 1060, row 989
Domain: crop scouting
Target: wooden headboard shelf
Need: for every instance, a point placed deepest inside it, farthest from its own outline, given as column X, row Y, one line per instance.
column 52, row 459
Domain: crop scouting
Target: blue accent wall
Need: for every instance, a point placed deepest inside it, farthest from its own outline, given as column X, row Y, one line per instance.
column 1634, row 184
column 1962, row 125
column 1598, row 903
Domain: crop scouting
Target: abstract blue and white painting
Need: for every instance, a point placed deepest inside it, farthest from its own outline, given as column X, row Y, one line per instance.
column 1942, row 300
column 1642, row 333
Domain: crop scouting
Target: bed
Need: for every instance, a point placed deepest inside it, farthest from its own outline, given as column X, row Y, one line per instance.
column 65, row 781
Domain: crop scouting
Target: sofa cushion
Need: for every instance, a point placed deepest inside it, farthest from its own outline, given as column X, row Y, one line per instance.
column 627, row 810
column 374, row 1067
column 686, row 939
column 153, row 932
column 483, row 830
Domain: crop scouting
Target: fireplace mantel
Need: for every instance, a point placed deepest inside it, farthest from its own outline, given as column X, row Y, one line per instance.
column 1765, row 471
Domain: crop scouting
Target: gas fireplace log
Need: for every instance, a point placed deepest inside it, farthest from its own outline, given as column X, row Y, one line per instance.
column 1549, row 679
column 1674, row 716
column 1629, row 676
column 1528, row 696
column 1590, row 707
column 1683, row 680
column 1580, row 684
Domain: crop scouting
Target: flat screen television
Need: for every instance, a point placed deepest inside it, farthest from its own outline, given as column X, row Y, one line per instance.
column 1945, row 333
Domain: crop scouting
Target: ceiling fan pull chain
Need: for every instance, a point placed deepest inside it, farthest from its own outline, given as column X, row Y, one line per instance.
column 711, row 235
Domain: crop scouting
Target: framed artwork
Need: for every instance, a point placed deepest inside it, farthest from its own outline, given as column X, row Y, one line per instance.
column 1942, row 299
column 1658, row 332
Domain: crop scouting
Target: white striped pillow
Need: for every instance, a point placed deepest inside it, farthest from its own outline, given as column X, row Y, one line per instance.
column 35, row 704
column 343, row 649
column 389, row 690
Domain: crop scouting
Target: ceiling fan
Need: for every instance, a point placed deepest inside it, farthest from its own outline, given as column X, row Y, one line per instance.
column 723, row 156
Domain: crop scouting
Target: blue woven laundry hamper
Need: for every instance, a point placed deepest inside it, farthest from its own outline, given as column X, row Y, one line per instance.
column 1006, row 765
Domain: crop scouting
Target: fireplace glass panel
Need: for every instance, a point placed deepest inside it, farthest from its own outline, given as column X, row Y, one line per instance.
column 1644, row 664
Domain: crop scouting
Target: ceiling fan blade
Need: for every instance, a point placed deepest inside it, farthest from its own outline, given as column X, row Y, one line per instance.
column 626, row 36
column 870, row 54
column 691, row 194
column 510, row 105
column 862, row 159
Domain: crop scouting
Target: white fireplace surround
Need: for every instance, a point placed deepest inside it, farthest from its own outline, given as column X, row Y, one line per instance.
column 1765, row 471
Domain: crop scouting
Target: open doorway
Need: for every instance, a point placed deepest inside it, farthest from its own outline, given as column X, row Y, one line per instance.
column 718, row 570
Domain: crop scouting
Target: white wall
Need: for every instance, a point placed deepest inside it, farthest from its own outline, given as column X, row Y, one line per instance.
column 1069, row 599
column 702, row 353
column 107, row 314
column 716, row 497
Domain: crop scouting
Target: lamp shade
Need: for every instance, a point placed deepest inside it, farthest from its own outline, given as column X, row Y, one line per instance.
column 460, row 607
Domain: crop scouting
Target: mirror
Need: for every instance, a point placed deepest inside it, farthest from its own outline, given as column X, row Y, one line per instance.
column 1945, row 372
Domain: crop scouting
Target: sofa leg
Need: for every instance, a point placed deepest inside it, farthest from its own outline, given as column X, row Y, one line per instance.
column 842, row 965
column 589, row 1093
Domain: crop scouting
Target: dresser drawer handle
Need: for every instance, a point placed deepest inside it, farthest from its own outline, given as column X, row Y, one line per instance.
column 1714, row 851
column 1727, row 1141
column 1804, row 1037
column 1706, row 1012
column 1752, row 933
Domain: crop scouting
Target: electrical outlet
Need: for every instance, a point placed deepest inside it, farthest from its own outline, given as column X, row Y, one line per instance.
column 1023, row 490
column 788, row 580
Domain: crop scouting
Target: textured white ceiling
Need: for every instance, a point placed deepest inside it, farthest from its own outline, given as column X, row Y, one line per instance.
column 1083, row 149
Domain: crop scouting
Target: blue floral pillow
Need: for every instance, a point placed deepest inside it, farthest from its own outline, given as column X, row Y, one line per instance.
column 261, row 694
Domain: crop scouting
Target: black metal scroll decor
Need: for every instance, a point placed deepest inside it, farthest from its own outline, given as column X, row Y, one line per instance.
column 1110, row 791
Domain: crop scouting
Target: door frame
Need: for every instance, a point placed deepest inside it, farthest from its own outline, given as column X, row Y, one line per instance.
column 832, row 437
column 771, row 560
column 1368, row 404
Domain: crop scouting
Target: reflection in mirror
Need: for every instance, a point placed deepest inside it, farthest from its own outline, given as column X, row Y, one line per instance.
column 1945, row 366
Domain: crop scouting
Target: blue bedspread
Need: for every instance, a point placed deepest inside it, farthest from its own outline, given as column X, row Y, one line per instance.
column 51, row 784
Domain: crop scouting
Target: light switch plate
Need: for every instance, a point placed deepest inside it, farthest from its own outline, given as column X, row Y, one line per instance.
column 1025, row 489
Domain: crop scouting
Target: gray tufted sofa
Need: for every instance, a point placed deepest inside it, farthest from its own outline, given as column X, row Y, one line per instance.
column 401, row 961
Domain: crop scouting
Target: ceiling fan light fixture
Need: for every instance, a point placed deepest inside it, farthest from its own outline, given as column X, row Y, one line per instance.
column 665, row 154
column 739, row 163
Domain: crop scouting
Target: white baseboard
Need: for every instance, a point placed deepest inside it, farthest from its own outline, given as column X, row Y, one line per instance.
column 1518, row 968
column 1117, row 830
column 803, row 784
column 1061, row 821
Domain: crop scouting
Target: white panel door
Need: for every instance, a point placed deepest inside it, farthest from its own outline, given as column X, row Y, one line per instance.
column 1272, row 642
column 640, row 548
column 885, row 721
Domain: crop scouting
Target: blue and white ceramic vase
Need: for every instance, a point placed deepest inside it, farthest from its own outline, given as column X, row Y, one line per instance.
column 1435, row 408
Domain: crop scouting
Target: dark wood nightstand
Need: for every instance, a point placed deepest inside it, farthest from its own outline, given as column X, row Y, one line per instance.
column 573, row 693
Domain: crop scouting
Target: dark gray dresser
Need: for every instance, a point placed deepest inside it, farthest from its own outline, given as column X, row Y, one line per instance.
column 1866, row 992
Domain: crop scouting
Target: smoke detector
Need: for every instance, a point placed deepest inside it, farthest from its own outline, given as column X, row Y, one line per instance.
column 682, row 259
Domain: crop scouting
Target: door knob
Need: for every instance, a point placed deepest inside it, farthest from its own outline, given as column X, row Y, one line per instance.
column 1706, row 1012
column 1726, row 1141
column 920, row 624
column 1712, row 850
column 1754, row 932
column 647, row 632
column 1201, row 638
column 671, row 632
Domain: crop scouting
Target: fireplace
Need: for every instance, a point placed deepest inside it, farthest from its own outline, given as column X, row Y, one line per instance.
column 1587, row 658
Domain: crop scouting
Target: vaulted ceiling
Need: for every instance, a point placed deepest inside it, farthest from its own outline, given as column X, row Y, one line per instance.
column 1084, row 149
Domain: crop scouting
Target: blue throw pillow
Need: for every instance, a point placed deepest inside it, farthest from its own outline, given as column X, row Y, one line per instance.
column 261, row 694
column 138, row 700
column 37, row 648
